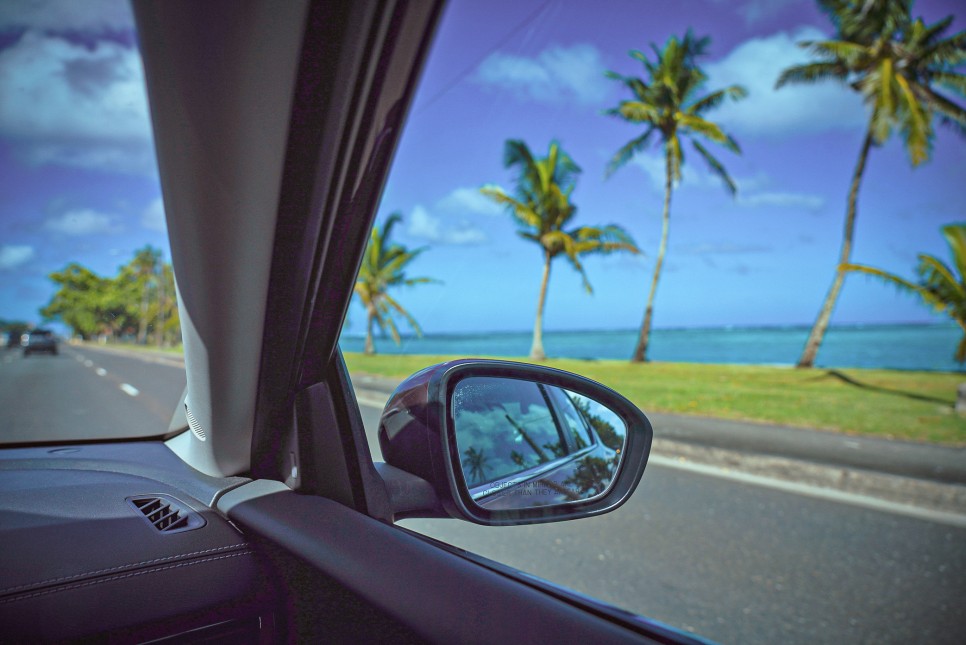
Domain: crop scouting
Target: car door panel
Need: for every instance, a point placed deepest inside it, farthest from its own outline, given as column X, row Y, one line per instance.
column 417, row 587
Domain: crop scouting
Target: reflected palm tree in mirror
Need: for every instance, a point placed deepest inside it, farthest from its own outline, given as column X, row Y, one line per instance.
column 605, row 429
column 541, row 456
column 591, row 477
column 475, row 464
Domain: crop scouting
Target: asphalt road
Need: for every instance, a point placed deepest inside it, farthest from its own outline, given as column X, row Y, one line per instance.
column 85, row 392
column 730, row 561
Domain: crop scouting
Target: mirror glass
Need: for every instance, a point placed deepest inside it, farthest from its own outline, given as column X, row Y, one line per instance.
column 524, row 444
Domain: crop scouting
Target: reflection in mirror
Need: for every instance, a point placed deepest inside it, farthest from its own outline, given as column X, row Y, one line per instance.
column 524, row 444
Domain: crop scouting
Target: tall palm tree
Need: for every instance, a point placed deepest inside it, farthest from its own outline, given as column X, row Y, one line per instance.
column 667, row 102
column 144, row 269
column 939, row 285
column 383, row 267
column 895, row 63
column 541, row 206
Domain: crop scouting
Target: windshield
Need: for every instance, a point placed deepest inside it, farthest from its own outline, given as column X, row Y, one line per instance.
column 83, row 247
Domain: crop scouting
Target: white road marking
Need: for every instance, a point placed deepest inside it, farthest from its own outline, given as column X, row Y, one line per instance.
column 79, row 358
column 88, row 363
column 100, row 371
column 129, row 389
column 828, row 494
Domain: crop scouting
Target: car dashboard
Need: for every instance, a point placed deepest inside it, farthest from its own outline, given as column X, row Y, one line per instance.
column 119, row 542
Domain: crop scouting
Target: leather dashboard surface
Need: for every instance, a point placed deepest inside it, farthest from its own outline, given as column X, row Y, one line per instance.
column 77, row 559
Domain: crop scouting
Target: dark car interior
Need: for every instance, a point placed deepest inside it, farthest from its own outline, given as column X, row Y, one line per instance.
column 260, row 516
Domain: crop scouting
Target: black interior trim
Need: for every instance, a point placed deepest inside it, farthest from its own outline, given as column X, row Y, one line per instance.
column 655, row 630
column 432, row 593
column 357, row 75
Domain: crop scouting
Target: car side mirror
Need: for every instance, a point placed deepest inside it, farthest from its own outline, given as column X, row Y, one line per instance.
column 509, row 443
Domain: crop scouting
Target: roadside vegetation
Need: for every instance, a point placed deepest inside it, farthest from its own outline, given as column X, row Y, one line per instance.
column 383, row 268
column 897, row 64
column 940, row 286
column 667, row 104
column 138, row 304
column 890, row 404
column 540, row 206
column 905, row 70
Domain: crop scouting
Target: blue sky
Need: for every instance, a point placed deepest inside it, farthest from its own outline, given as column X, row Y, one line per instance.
column 79, row 184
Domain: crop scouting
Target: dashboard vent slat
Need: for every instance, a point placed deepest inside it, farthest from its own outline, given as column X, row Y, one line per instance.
column 165, row 513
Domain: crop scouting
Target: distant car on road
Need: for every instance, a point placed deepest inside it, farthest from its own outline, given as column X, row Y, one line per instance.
column 39, row 340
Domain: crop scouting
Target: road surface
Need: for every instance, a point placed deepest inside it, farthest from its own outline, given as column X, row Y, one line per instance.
column 733, row 562
column 83, row 393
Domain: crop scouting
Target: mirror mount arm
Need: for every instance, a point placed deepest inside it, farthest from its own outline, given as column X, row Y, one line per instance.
column 409, row 496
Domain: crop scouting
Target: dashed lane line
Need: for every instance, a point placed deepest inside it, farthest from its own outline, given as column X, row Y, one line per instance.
column 100, row 371
column 130, row 390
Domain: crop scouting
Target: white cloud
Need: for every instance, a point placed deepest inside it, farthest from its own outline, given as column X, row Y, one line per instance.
column 153, row 216
column 795, row 109
column 555, row 75
column 89, row 15
column 748, row 188
column 793, row 200
column 654, row 168
column 13, row 255
column 82, row 221
column 425, row 226
column 422, row 224
column 66, row 103
column 463, row 201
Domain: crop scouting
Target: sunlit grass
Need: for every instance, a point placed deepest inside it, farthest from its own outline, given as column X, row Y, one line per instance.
column 884, row 403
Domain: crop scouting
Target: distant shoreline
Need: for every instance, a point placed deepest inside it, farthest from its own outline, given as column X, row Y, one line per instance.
column 906, row 347
column 796, row 327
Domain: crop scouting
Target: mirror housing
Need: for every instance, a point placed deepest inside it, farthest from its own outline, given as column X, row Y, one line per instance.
column 417, row 435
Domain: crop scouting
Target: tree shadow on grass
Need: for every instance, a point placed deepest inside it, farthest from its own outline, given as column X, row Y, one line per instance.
column 845, row 378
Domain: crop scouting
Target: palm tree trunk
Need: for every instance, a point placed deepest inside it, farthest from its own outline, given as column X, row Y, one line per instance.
column 161, row 298
column 369, row 349
column 143, row 322
column 640, row 351
column 536, row 349
column 815, row 337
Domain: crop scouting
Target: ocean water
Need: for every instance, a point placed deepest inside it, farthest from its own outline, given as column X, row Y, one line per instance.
column 906, row 347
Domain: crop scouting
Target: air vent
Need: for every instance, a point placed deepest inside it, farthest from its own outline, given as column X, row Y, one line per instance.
column 165, row 513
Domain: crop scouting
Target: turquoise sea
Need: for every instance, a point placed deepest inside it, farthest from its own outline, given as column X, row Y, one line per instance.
column 906, row 347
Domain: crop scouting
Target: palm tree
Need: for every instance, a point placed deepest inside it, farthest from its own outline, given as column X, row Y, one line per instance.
column 895, row 63
column 144, row 270
column 666, row 102
column 541, row 207
column 383, row 267
column 939, row 285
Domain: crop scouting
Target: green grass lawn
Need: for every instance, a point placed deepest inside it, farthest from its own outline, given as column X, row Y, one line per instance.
column 884, row 403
